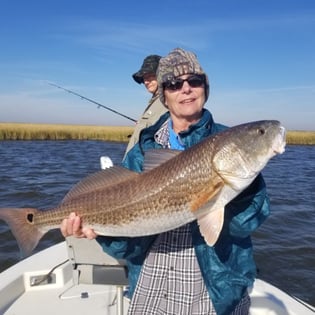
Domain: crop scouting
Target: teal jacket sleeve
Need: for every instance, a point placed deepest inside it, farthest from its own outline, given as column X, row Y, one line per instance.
column 248, row 211
column 126, row 247
column 134, row 159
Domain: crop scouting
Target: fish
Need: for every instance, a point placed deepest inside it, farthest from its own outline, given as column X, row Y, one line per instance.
column 175, row 188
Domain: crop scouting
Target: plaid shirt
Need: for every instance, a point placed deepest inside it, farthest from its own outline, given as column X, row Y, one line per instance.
column 170, row 281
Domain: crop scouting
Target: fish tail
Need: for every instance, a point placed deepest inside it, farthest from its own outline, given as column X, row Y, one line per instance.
column 21, row 222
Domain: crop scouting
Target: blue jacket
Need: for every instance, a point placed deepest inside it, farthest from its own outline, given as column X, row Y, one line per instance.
column 228, row 267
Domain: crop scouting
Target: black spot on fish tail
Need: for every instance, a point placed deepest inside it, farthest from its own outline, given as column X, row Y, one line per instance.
column 30, row 217
column 21, row 223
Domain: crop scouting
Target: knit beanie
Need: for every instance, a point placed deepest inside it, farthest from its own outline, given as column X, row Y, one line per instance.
column 178, row 62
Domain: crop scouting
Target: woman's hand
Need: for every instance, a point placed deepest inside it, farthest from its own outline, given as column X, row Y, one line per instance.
column 72, row 226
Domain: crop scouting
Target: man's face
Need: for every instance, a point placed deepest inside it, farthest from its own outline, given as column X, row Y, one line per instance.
column 150, row 82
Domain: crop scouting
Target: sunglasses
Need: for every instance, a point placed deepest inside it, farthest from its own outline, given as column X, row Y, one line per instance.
column 196, row 80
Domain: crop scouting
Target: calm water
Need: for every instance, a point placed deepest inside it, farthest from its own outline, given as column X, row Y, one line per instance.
column 38, row 174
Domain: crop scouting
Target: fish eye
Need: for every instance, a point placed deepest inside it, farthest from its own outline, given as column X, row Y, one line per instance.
column 30, row 217
column 261, row 131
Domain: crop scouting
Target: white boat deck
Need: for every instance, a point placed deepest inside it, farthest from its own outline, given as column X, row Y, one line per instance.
column 73, row 291
column 64, row 295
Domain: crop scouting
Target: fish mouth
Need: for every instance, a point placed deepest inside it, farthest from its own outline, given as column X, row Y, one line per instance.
column 280, row 142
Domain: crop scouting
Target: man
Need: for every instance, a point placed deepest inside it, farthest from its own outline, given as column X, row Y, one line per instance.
column 147, row 76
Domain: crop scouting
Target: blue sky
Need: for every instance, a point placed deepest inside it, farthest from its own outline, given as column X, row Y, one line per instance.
column 259, row 56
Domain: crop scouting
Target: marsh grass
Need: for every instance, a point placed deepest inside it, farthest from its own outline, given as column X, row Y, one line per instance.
column 301, row 137
column 15, row 131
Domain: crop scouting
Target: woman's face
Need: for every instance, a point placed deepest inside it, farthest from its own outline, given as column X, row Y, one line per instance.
column 187, row 101
column 150, row 82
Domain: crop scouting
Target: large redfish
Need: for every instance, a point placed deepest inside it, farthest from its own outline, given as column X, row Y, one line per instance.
column 177, row 187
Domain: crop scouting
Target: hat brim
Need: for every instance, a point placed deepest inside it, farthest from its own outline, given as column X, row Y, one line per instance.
column 138, row 77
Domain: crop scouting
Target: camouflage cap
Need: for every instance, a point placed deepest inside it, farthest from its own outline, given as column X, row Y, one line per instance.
column 178, row 62
column 149, row 66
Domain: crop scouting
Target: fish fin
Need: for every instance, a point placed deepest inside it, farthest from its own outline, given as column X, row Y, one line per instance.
column 200, row 202
column 21, row 222
column 156, row 157
column 210, row 225
column 110, row 176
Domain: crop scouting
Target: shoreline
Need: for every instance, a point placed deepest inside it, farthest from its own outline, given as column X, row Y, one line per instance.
column 26, row 131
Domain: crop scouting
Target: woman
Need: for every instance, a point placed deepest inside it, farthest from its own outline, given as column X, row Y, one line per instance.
column 177, row 272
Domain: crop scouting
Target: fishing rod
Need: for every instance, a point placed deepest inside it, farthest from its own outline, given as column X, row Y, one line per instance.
column 89, row 100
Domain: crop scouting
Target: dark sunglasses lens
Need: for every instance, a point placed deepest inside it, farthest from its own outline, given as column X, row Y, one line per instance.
column 174, row 84
column 195, row 81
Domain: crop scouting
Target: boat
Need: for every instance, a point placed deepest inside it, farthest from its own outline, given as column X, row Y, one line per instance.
column 75, row 276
